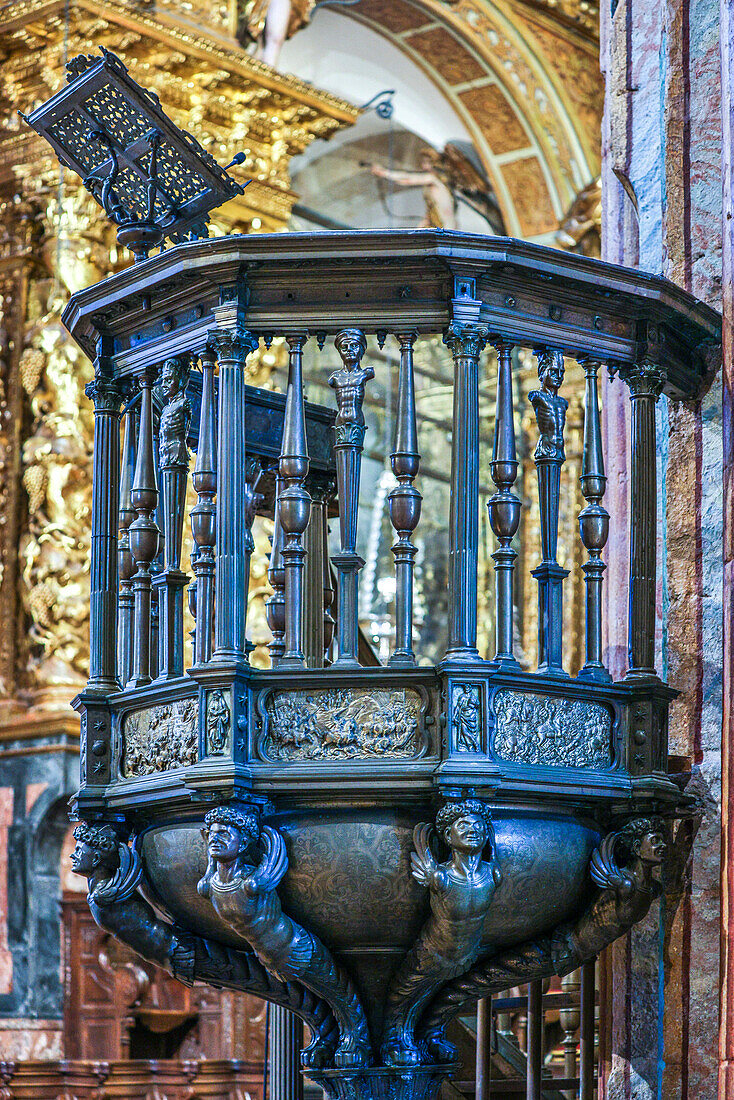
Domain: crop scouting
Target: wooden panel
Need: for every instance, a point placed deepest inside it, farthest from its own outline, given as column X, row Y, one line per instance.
column 117, row 1006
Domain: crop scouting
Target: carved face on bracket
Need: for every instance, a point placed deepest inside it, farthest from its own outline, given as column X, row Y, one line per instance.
column 551, row 371
column 95, row 847
column 85, row 859
column 225, row 842
column 651, row 848
column 467, row 833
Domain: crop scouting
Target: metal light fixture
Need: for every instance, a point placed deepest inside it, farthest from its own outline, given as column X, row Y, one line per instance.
column 153, row 179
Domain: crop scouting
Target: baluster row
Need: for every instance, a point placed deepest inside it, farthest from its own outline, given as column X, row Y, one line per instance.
column 151, row 509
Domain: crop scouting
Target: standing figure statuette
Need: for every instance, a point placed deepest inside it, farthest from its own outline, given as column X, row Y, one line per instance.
column 550, row 408
column 246, row 864
column 176, row 415
column 349, row 382
column 461, row 891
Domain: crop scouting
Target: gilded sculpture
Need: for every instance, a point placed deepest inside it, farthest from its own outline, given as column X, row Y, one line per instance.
column 247, row 861
column 461, row 891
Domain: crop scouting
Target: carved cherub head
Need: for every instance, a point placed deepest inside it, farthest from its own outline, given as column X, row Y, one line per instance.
column 645, row 838
column 466, row 826
column 551, row 370
column 96, row 846
column 230, row 833
column 172, row 376
column 351, row 345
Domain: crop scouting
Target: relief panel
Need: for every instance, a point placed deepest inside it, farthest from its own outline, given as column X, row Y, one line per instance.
column 342, row 724
column 546, row 730
column 160, row 738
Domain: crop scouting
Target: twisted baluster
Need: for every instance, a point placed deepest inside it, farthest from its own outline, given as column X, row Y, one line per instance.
column 294, row 504
column 593, row 523
column 504, row 507
column 275, row 606
column 126, row 565
column 349, row 382
column 404, row 503
column 144, row 535
column 204, row 515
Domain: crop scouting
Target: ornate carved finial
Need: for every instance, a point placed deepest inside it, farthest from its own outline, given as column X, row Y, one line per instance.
column 461, row 892
column 247, row 862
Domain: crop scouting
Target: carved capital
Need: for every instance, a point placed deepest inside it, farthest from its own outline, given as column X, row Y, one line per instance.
column 466, row 340
column 106, row 393
column 645, row 379
column 233, row 344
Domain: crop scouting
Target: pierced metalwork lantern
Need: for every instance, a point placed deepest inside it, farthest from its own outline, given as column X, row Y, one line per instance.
column 153, row 179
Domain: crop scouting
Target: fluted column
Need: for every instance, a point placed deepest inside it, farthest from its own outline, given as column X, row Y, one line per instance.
column 144, row 534
column 233, row 346
column 593, row 523
column 294, row 504
column 645, row 381
column 126, row 565
column 504, row 508
column 203, row 514
column 466, row 341
column 106, row 393
column 349, row 383
column 404, row 503
column 285, row 1042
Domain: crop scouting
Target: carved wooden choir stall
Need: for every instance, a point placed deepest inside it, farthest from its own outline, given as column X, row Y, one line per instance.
column 373, row 847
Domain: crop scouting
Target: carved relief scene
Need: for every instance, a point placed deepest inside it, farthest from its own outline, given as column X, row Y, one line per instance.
column 343, row 724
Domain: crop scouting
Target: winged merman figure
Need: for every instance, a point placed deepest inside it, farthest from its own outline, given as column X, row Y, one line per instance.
column 461, row 890
column 247, row 862
column 114, row 871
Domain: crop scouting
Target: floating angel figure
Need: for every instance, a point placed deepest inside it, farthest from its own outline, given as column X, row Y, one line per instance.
column 448, row 178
